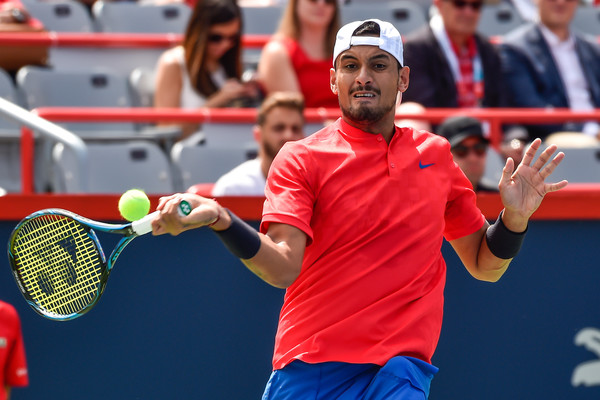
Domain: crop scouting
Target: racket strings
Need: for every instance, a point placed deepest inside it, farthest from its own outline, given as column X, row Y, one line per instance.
column 58, row 263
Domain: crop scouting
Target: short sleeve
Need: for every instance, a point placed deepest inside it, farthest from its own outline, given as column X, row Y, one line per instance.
column 289, row 194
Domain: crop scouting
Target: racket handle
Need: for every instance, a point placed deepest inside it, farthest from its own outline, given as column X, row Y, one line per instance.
column 184, row 208
column 144, row 225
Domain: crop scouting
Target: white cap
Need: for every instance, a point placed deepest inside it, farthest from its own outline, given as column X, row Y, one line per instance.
column 389, row 39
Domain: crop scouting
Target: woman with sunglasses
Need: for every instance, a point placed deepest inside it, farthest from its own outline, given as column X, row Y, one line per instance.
column 298, row 57
column 205, row 70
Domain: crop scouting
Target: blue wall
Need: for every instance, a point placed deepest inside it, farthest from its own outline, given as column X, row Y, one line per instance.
column 182, row 318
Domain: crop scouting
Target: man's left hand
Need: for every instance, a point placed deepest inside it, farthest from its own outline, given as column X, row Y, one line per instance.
column 522, row 190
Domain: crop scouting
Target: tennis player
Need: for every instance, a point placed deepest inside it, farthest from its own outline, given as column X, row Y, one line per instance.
column 352, row 227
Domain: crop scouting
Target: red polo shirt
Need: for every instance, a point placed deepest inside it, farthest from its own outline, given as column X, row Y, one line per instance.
column 372, row 279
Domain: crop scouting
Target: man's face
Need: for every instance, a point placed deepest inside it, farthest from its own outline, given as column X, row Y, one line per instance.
column 460, row 17
column 470, row 155
column 557, row 14
column 281, row 125
column 367, row 82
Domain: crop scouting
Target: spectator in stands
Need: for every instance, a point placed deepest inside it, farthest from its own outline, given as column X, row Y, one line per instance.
column 280, row 119
column 469, row 149
column 548, row 65
column 298, row 57
column 14, row 12
column 452, row 65
column 14, row 18
column 206, row 70
column 13, row 365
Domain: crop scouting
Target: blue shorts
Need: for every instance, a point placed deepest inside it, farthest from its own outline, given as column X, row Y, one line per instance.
column 404, row 378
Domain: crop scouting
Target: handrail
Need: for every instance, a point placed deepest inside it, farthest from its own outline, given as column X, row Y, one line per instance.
column 495, row 117
column 30, row 121
column 141, row 40
column 117, row 40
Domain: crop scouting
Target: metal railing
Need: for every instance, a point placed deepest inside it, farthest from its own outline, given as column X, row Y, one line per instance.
column 30, row 122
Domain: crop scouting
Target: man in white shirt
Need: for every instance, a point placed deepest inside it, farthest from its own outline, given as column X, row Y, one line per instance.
column 547, row 65
column 280, row 119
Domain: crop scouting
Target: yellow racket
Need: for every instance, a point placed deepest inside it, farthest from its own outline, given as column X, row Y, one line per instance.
column 59, row 264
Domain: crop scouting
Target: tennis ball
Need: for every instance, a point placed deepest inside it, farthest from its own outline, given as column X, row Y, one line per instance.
column 134, row 204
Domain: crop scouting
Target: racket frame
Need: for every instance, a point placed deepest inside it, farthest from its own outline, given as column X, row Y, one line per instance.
column 129, row 231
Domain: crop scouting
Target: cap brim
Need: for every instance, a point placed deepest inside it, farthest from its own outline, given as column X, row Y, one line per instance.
column 462, row 136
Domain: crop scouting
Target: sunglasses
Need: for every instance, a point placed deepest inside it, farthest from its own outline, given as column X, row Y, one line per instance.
column 330, row 2
column 475, row 5
column 218, row 38
column 461, row 151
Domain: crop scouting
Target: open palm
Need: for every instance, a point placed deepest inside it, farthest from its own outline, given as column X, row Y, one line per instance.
column 522, row 190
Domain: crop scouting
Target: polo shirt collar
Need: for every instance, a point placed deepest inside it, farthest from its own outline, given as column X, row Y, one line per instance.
column 355, row 133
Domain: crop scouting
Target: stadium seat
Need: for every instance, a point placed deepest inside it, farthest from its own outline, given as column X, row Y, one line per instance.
column 61, row 15
column 587, row 20
column 580, row 165
column 45, row 87
column 425, row 4
column 211, row 152
column 261, row 20
column 258, row 21
column 141, row 85
column 10, row 165
column 582, row 157
column 499, row 19
column 405, row 15
column 114, row 168
column 121, row 60
column 133, row 17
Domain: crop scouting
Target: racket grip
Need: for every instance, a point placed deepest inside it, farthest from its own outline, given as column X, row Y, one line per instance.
column 184, row 208
column 144, row 225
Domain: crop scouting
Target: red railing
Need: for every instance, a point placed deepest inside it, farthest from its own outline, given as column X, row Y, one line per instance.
column 495, row 117
column 116, row 40
column 140, row 40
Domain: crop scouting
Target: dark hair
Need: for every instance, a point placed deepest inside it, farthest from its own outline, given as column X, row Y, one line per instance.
column 205, row 14
column 367, row 28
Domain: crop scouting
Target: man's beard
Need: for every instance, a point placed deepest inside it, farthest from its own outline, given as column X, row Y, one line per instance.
column 365, row 113
column 270, row 150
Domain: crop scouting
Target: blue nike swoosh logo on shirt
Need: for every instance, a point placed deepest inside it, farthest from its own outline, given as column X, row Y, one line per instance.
column 421, row 165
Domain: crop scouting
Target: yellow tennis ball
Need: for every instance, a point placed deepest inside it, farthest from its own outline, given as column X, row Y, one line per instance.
column 134, row 204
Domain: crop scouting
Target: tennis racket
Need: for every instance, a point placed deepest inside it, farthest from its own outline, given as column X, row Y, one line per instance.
column 59, row 264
